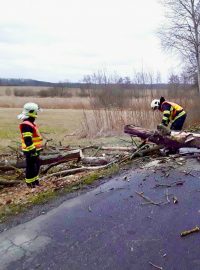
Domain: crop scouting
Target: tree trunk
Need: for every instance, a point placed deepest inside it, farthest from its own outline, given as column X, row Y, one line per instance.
column 68, row 156
column 198, row 73
column 175, row 141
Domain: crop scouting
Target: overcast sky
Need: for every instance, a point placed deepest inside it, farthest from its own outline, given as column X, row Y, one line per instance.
column 57, row 40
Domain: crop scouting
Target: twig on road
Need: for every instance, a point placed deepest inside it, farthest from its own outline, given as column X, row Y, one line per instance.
column 196, row 229
column 178, row 183
column 148, row 200
column 175, row 200
column 155, row 266
column 189, row 173
column 100, row 192
column 167, row 196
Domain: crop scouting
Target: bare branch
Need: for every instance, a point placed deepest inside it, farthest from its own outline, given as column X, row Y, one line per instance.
column 181, row 31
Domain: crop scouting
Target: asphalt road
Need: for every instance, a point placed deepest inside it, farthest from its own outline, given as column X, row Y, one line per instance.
column 111, row 227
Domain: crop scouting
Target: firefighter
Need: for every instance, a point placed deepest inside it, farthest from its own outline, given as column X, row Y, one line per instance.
column 31, row 143
column 171, row 112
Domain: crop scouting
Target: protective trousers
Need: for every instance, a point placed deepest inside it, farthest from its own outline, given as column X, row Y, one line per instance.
column 32, row 169
column 178, row 123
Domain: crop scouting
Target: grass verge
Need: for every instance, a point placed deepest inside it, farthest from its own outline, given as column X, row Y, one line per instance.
column 9, row 210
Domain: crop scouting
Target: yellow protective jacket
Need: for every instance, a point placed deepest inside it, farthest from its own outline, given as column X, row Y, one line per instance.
column 171, row 112
column 33, row 135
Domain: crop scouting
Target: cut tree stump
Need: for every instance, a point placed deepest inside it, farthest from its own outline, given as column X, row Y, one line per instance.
column 175, row 141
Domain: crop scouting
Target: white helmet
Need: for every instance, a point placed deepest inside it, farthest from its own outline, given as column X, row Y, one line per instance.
column 155, row 104
column 30, row 109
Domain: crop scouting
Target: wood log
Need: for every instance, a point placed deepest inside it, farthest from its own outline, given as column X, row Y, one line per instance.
column 93, row 161
column 111, row 148
column 141, row 153
column 68, row 156
column 9, row 183
column 78, row 170
column 65, row 173
column 7, row 168
column 116, row 148
column 55, row 160
column 175, row 141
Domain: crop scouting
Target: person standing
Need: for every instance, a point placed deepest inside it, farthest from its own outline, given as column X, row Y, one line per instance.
column 172, row 112
column 31, row 143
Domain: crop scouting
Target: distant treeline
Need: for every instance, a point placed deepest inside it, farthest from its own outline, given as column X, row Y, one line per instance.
column 30, row 82
column 86, row 85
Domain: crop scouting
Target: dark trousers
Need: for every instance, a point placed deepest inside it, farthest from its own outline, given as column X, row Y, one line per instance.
column 32, row 168
column 178, row 124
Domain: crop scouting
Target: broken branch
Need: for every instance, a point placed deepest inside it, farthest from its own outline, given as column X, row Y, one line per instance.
column 156, row 266
column 196, row 229
column 77, row 170
column 147, row 199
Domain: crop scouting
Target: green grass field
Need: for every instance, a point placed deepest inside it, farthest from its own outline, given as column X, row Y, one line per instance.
column 58, row 124
column 54, row 124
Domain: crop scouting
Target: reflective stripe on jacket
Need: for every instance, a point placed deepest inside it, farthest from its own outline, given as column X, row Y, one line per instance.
column 36, row 137
column 173, row 112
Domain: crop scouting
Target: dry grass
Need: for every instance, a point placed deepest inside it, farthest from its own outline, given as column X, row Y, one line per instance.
column 132, row 110
column 48, row 102
column 103, row 114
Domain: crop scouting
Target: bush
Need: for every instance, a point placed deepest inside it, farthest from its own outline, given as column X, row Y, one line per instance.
column 8, row 92
column 55, row 92
column 24, row 92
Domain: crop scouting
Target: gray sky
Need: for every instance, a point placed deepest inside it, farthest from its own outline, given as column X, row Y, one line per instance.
column 57, row 40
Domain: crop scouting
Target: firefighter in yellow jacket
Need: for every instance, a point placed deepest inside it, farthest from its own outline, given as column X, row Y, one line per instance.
column 171, row 112
column 31, row 143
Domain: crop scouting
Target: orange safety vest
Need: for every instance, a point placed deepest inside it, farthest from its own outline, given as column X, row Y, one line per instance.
column 36, row 138
column 175, row 109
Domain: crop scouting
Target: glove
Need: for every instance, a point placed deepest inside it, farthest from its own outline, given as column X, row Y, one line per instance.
column 36, row 154
column 163, row 130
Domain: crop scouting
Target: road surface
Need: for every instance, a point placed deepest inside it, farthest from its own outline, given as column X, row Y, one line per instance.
column 112, row 227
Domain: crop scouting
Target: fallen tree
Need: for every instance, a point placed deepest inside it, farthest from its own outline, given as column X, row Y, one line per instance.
column 45, row 160
column 73, row 155
column 53, row 160
column 82, row 163
column 175, row 140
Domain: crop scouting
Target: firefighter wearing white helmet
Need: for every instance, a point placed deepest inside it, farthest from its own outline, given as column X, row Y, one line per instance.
column 31, row 142
column 172, row 112
column 155, row 104
column 30, row 109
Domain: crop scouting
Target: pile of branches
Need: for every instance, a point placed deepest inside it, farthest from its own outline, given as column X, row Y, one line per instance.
column 65, row 161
